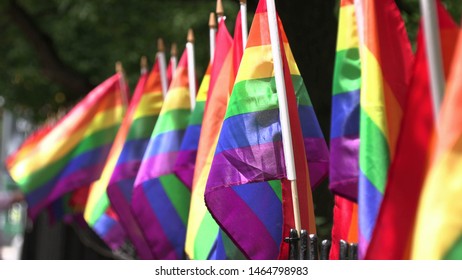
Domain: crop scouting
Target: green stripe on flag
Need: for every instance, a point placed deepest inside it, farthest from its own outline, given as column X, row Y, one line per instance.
column 374, row 155
column 99, row 209
column 198, row 113
column 277, row 188
column 178, row 194
column 347, row 72
column 43, row 175
column 172, row 120
column 455, row 253
column 205, row 238
column 260, row 95
column 142, row 127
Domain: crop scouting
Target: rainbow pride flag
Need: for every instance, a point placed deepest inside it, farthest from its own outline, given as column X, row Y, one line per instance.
column 146, row 103
column 386, row 61
column 344, row 132
column 204, row 239
column 140, row 116
column 392, row 236
column 241, row 193
column 186, row 160
column 160, row 200
column 70, row 154
column 438, row 229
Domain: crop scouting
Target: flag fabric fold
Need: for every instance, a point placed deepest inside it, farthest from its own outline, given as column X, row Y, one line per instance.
column 204, row 239
column 142, row 116
column 392, row 236
column 121, row 165
column 344, row 135
column 438, row 229
column 386, row 61
column 186, row 160
column 160, row 200
column 71, row 154
column 243, row 191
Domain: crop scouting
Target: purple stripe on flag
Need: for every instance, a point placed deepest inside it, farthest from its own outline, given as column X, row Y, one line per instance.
column 317, row 156
column 143, row 212
column 156, row 166
column 251, row 164
column 225, row 201
column 184, row 167
column 247, row 165
column 120, row 195
column 344, row 169
column 125, row 170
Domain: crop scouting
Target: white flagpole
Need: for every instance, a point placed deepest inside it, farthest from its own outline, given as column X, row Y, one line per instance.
column 173, row 59
column 245, row 33
column 162, row 66
column 191, row 68
column 212, row 34
column 283, row 110
column 433, row 50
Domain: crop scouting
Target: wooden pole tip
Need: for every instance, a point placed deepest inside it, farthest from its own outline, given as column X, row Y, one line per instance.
column 118, row 67
column 243, row 1
column 220, row 10
column 190, row 36
column 160, row 45
column 212, row 20
column 144, row 62
column 173, row 50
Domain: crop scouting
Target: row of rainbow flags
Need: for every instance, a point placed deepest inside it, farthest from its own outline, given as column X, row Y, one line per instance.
column 208, row 179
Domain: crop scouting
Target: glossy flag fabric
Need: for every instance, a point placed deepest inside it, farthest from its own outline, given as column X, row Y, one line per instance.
column 204, row 239
column 386, row 64
column 438, row 230
column 344, row 133
column 160, row 200
column 146, row 102
column 392, row 237
column 120, row 170
column 70, row 154
column 241, row 193
column 186, row 160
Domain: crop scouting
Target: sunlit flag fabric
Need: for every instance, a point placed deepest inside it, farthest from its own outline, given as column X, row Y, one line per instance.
column 204, row 239
column 249, row 150
column 186, row 160
column 392, row 236
column 438, row 230
column 143, row 113
column 386, row 64
column 344, row 133
column 160, row 200
column 72, row 153
column 344, row 226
